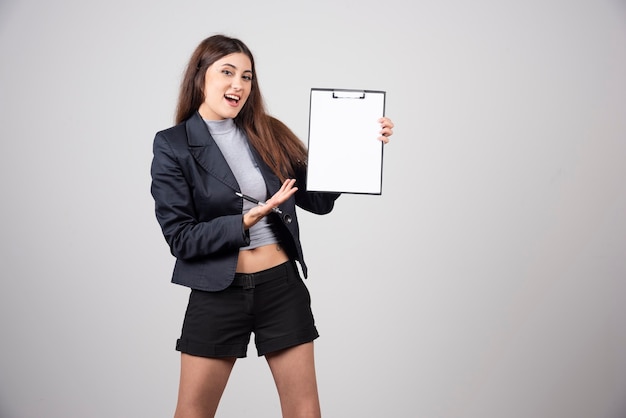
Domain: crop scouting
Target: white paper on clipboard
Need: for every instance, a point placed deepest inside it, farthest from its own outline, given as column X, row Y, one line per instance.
column 344, row 153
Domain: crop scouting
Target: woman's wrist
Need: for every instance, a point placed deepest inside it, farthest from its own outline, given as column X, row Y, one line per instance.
column 249, row 220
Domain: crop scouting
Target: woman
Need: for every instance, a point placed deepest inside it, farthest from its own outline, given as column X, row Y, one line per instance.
column 237, row 256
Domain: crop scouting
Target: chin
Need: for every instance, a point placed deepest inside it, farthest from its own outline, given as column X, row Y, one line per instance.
column 232, row 115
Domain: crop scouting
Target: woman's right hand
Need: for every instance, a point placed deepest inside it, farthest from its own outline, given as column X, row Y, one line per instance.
column 283, row 194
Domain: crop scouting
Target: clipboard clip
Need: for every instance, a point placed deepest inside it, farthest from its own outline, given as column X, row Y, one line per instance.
column 346, row 94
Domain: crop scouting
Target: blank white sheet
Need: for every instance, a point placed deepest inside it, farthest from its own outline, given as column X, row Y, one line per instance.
column 344, row 153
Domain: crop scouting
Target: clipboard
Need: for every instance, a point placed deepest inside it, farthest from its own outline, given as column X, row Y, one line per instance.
column 344, row 153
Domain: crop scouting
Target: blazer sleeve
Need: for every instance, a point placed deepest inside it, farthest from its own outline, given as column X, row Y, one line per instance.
column 187, row 235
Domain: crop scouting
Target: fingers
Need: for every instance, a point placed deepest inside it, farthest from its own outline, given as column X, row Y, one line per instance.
column 385, row 122
column 287, row 186
column 287, row 189
column 386, row 129
column 255, row 214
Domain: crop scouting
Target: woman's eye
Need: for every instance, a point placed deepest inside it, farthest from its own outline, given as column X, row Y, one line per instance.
column 226, row 72
column 247, row 77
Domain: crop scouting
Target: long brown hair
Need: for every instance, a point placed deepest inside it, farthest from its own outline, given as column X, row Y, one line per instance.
column 279, row 147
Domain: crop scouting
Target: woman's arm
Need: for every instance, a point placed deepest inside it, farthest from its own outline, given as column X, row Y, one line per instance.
column 176, row 211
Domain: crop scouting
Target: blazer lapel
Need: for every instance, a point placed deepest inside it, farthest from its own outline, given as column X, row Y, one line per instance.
column 206, row 152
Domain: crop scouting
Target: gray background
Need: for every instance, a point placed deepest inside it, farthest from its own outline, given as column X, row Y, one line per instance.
column 487, row 281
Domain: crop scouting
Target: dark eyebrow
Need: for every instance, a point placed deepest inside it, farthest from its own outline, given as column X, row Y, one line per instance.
column 234, row 67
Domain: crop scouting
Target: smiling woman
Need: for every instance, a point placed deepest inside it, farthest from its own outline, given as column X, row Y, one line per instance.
column 238, row 257
column 227, row 85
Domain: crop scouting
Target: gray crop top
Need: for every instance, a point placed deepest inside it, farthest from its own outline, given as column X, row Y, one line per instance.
column 234, row 146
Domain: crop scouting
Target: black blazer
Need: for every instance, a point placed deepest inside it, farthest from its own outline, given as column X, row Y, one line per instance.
column 199, row 213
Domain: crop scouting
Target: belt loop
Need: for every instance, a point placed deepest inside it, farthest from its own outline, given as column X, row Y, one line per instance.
column 248, row 281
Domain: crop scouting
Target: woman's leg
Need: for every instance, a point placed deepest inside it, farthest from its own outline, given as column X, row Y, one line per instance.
column 202, row 382
column 294, row 373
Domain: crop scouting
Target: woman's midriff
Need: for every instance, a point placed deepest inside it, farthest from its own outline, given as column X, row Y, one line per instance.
column 261, row 258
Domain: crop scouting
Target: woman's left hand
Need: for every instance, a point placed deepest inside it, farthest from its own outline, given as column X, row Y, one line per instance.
column 387, row 129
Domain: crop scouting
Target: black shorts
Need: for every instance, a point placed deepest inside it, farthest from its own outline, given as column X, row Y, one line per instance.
column 274, row 304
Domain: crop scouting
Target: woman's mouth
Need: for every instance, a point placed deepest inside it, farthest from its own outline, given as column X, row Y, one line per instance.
column 233, row 99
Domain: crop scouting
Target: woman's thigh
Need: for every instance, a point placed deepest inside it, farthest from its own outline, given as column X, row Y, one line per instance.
column 294, row 373
column 202, row 382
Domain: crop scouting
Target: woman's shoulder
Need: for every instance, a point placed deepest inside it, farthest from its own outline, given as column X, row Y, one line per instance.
column 174, row 135
column 173, row 131
column 172, row 141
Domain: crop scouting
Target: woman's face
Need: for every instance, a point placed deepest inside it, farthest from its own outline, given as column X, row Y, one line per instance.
column 227, row 85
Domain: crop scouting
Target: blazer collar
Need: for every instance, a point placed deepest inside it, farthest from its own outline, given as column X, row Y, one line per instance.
column 197, row 132
column 206, row 152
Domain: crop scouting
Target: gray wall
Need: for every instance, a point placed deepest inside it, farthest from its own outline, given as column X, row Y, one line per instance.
column 487, row 281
